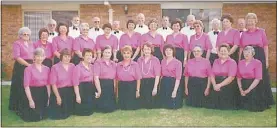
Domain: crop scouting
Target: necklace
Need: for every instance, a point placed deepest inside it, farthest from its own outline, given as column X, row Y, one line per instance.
column 127, row 68
column 148, row 68
column 199, row 36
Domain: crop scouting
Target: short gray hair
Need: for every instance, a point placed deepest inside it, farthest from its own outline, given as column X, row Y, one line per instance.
column 191, row 16
column 215, row 20
column 84, row 25
column 39, row 52
column 250, row 48
column 24, row 29
column 52, row 21
column 199, row 46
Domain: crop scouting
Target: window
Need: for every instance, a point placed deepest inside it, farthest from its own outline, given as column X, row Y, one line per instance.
column 176, row 13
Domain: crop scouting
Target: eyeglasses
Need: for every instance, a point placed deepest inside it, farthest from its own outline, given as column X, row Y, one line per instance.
column 25, row 34
column 96, row 21
column 51, row 24
column 85, row 29
column 197, row 26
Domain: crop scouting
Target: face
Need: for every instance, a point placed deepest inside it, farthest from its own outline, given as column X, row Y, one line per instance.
column 251, row 23
column 107, row 53
column 226, row 23
column 39, row 59
column 84, row 31
column 96, row 22
column 197, row 52
column 63, row 30
column 52, row 27
column 88, row 57
column 165, row 21
column 247, row 54
column 198, row 28
column 131, row 26
column 241, row 23
column 224, row 53
column 44, row 36
column 76, row 21
column 146, row 50
column 216, row 25
column 153, row 26
column 107, row 31
column 25, row 36
column 190, row 21
column 141, row 19
column 176, row 27
column 66, row 59
column 116, row 25
column 127, row 55
column 168, row 52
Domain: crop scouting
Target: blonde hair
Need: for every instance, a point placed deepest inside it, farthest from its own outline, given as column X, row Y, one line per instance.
column 126, row 48
column 198, row 22
column 152, row 21
column 251, row 16
column 83, row 26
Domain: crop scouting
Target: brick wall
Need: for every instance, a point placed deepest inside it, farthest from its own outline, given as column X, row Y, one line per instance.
column 266, row 14
column 11, row 22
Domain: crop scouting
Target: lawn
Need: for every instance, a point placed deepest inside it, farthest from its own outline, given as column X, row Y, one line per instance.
column 186, row 116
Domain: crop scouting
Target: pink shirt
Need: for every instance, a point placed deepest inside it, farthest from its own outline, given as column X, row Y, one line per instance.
column 156, row 41
column 228, row 68
column 151, row 68
column 23, row 51
column 60, row 77
column 232, row 37
column 34, row 78
column 128, row 73
column 198, row 67
column 58, row 44
column 80, row 43
column 102, row 42
column 134, row 40
column 180, row 41
column 172, row 69
column 257, row 38
column 204, row 41
column 82, row 74
column 250, row 71
column 46, row 47
column 104, row 70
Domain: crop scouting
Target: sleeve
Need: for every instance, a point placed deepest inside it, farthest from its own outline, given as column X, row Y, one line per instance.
column 237, row 38
column 16, row 50
column 190, row 45
column 115, row 43
column 238, row 70
column 117, row 71
column 76, row 76
column 178, row 70
column 264, row 38
column 120, row 43
column 185, row 43
column 217, row 40
column 97, row 69
column 241, row 40
column 53, row 76
column 162, row 43
column 138, row 72
column 209, row 68
column 208, row 43
column 27, row 77
column 97, row 46
column 76, row 45
column 186, row 71
column 157, row 67
column 54, row 45
column 51, row 52
column 142, row 40
column 48, row 76
column 232, row 69
column 258, row 70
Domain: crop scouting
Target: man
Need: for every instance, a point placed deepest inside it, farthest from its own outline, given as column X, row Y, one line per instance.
column 213, row 37
column 189, row 30
column 51, row 27
column 74, row 30
column 141, row 27
column 241, row 25
column 165, row 29
column 116, row 31
column 95, row 30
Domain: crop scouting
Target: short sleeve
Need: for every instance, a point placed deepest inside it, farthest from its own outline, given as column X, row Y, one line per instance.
column 53, row 76
column 27, row 76
column 76, row 76
column 209, row 68
column 232, row 69
column 258, row 70
column 157, row 67
column 97, row 69
column 138, row 72
column 16, row 50
column 76, row 45
column 264, row 38
column 208, row 43
column 238, row 70
column 55, row 45
column 237, row 38
column 185, row 43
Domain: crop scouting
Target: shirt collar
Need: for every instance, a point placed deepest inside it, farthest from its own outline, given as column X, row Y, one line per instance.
column 131, row 63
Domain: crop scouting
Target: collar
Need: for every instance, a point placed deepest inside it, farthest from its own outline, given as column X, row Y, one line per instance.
column 198, row 59
column 121, row 63
column 228, row 59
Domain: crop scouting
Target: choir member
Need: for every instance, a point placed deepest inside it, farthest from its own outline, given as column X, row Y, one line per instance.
column 189, row 29
column 213, row 37
column 241, row 25
column 165, row 30
column 74, row 30
column 51, row 27
column 96, row 30
column 141, row 27
column 116, row 30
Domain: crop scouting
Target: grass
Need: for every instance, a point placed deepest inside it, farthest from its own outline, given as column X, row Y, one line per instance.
column 186, row 116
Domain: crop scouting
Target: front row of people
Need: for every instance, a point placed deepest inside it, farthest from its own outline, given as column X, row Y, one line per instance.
column 85, row 88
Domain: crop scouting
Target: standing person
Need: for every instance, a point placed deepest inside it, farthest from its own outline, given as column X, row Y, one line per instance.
column 107, row 39
column 151, row 71
column 241, row 26
column 189, row 29
column 128, row 75
column 154, row 38
column 213, row 37
column 62, row 96
column 96, row 30
column 165, row 30
column 51, row 27
column 23, row 50
column 104, row 77
column 229, row 35
column 116, row 30
column 141, row 27
column 74, row 30
column 46, row 46
column 256, row 37
column 61, row 42
column 249, row 78
column 131, row 38
column 170, row 95
column 84, row 86
column 197, row 79
column 82, row 42
column 37, row 89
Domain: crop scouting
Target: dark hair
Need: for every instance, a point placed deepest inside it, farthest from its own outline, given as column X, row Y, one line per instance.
column 176, row 22
column 171, row 47
column 86, row 50
column 148, row 44
column 64, row 52
column 224, row 45
column 41, row 31
column 152, row 21
column 62, row 24
column 228, row 17
column 132, row 22
column 107, row 25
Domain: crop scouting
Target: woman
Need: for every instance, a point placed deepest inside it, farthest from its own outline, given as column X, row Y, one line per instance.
column 151, row 71
column 82, row 42
column 200, row 38
column 229, row 35
column 131, row 38
column 170, row 93
column 154, row 38
column 104, row 76
column 61, row 42
column 128, row 75
column 37, row 89
column 62, row 97
column 107, row 39
column 197, row 80
column 213, row 36
column 23, row 55
column 224, row 93
column 46, row 46
column 256, row 37
column 249, row 78
column 83, row 85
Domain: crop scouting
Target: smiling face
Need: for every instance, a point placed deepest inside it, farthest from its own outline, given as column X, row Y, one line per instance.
column 226, row 23
column 176, row 27
column 153, row 26
column 96, row 22
column 224, row 53
column 107, row 31
column 44, row 36
column 88, row 57
column 63, row 30
column 251, row 23
column 197, row 52
column 248, row 54
column 146, row 50
column 66, row 59
column 76, row 21
column 127, row 55
column 165, row 21
column 38, row 59
column 198, row 28
column 140, row 19
column 169, row 52
column 25, row 36
column 107, row 53
column 131, row 26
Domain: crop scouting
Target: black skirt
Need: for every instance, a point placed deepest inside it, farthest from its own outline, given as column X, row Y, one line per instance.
column 226, row 98
column 76, row 59
column 166, row 89
column 213, row 57
column 203, row 55
column 254, row 100
column 196, row 89
column 235, row 55
column 106, row 102
column 127, row 95
column 47, row 62
column 63, row 111
column 146, row 99
column 17, row 91
column 40, row 98
column 180, row 57
column 158, row 53
column 87, row 94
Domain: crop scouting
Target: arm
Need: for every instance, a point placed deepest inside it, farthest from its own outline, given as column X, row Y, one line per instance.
column 29, row 96
column 79, row 53
column 227, row 81
column 114, row 55
column 48, row 92
column 240, row 53
column 185, row 57
column 208, row 54
column 98, row 53
column 97, row 84
column 136, row 53
column 77, row 94
column 266, row 55
column 57, row 54
column 252, row 86
column 207, row 90
column 233, row 49
column 186, row 85
column 138, row 89
column 22, row 61
column 57, row 94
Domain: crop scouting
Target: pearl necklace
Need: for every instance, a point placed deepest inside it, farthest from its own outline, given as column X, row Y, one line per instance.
column 127, row 68
column 148, row 68
column 199, row 36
